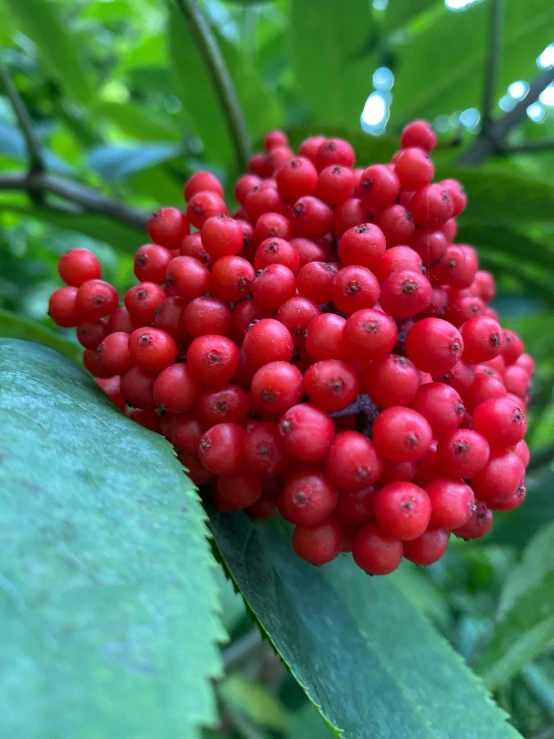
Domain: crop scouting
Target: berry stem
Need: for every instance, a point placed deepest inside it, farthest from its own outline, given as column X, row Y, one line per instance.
column 496, row 16
column 34, row 154
column 221, row 79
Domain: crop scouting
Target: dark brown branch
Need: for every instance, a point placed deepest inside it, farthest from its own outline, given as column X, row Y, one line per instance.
column 529, row 147
column 494, row 141
column 87, row 198
column 221, row 79
column 34, row 155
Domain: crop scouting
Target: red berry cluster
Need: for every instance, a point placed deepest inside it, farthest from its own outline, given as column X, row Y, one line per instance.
column 327, row 352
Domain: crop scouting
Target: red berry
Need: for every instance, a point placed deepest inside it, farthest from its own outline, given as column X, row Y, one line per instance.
column 200, row 182
column 220, row 449
column 62, row 307
column 232, row 278
column 354, row 288
column 419, row 133
column 335, row 184
column 464, row 453
column 77, row 266
column 277, row 386
column 276, row 251
column 263, row 452
column 390, row 380
column 355, row 508
column 206, row 315
column 137, row 388
column 431, row 206
column 430, row 245
column 362, row 245
column 308, row 498
column 213, row 359
column 318, row 544
column 309, row 147
column 152, row 349
column 262, row 200
column 441, row 406
column 324, row 339
column 434, row 345
column 296, row 178
column 111, row 386
column 169, row 317
column 274, row 139
column 311, row 217
column 395, row 259
column 379, row 186
column 478, row 525
column 457, row 195
column 222, row 236
column 427, row 548
column 452, row 503
column 202, row 206
column 143, row 300
column 192, row 246
column 315, row 281
column 96, row 299
column 306, row 432
column 352, row 461
column 369, row 334
column 270, row 226
column 500, row 478
column 188, row 277
column 167, row 227
column 90, row 335
column 151, row 263
column 273, row 286
column 334, row 151
column 113, row 354
column 512, row 346
column 482, row 339
column 402, row 510
column 405, row 293
column 225, row 403
column 267, row 341
column 397, row 225
column 401, row 435
column 297, row 314
column 375, row 551
column 414, row 168
column 510, row 503
column 501, row 421
column 331, row 384
column 240, row 491
column 350, row 213
column 120, row 320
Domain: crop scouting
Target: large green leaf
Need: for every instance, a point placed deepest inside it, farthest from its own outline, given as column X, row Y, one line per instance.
column 493, row 237
column 399, row 13
column 525, row 613
column 331, row 63
column 115, row 163
column 363, row 654
column 139, row 122
column 41, row 22
column 428, row 84
column 13, row 326
column 260, row 105
column 108, row 599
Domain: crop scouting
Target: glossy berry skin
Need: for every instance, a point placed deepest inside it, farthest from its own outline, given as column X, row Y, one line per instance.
column 427, row 548
column 324, row 338
column 441, row 406
column 401, row 435
column 501, row 421
column 137, row 387
column 176, row 389
column 395, row 259
column 315, row 280
column 78, row 265
column 95, row 299
column 167, row 227
column 397, row 224
column 331, row 384
column 240, row 491
column 277, row 386
column 379, row 186
column 354, row 288
column 405, row 293
column 62, row 307
column 276, row 251
column 90, row 335
column 463, row 453
column 111, row 386
column 231, row 279
column 113, row 354
column 191, row 246
column 457, row 195
column 206, row 315
column 220, row 449
column 334, row 151
column 142, row 302
column 267, row 341
column 420, row 134
column 188, row 277
column 352, row 461
column 482, row 339
column 510, row 504
column 431, row 206
column 362, row 245
column 434, row 345
column 306, row 432
column 296, row 314
column 335, row 184
column 222, row 404
column 452, row 503
column 120, row 320
column 308, row 498
column 202, row 206
column 402, row 510
column 200, row 182
column 297, row 178
column 478, row 525
column 264, row 453
column 390, row 380
column 355, row 508
column 318, row 544
column 151, row 263
column 273, row 286
column 414, row 168
column 375, row 551
column 500, row 478
column 152, row 349
column 169, row 317
column 213, row 359
column 222, row 237
column 311, row 217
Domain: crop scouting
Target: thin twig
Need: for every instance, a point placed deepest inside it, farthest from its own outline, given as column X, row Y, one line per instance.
column 36, row 162
column 486, row 146
column 89, row 199
column 221, row 79
column 529, row 147
column 496, row 14
column 239, row 652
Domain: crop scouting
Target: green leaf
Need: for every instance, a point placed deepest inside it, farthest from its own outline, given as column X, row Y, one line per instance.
column 140, row 123
column 497, row 196
column 121, row 237
column 12, row 145
column 362, row 653
column 259, row 103
column 108, row 599
column 399, row 13
column 493, row 237
column 115, row 163
column 525, row 624
column 41, row 22
column 307, row 723
column 424, row 87
column 255, row 701
column 332, row 67
column 13, row 326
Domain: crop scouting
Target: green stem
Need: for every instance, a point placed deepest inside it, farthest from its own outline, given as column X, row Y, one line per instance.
column 221, row 79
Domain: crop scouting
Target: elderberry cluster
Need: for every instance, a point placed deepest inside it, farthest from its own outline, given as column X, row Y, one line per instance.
column 327, row 352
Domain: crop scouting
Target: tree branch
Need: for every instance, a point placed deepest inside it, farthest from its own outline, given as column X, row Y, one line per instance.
column 90, row 200
column 36, row 162
column 529, row 147
column 221, row 79
column 237, row 653
column 489, row 144
column 492, row 64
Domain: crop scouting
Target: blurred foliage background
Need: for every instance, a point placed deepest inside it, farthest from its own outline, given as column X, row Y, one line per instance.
column 121, row 102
